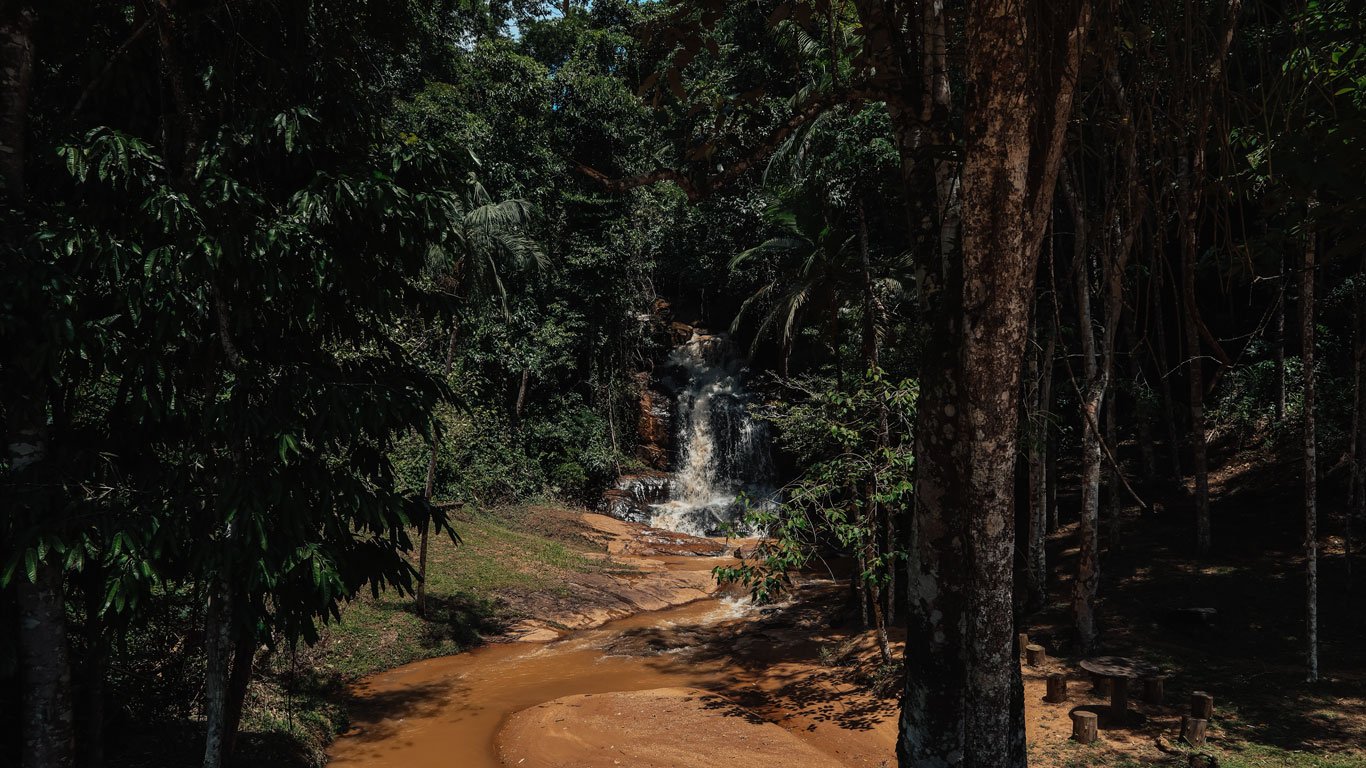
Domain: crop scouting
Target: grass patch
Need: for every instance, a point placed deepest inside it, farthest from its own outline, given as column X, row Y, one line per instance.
column 297, row 704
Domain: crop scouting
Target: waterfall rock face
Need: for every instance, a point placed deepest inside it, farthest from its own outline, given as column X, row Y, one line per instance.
column 720, row 460
column 654, row 425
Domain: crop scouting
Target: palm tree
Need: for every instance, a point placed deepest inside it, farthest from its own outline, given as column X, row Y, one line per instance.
column 489, row 239
column 821, row 268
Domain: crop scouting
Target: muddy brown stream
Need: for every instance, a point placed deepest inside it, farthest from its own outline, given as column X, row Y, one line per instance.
column 449, row 711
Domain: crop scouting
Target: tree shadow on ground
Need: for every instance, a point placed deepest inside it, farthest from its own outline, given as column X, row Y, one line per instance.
column 773, row 665
column 1248, row 652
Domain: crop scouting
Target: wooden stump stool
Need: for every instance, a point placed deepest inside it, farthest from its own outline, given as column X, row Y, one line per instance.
column 1085, row 726
column 1057, row 688
column 1152, row 689
column 1194, row 730
column 1035, row 655
column 1202, row 705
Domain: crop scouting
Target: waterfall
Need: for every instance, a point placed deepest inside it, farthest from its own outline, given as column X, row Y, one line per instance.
column 721, row 450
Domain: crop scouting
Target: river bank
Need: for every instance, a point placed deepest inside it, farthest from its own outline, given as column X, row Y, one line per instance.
column 710, row 682
column 525, row 574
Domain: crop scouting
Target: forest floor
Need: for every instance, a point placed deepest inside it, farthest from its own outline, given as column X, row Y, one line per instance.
column 1249, row 655
column 535, row 573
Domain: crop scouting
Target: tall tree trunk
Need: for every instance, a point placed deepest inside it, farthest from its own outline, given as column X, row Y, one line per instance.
column 1036, row 415
column 520, row 402
column 1091, row 391
column 16, row 90
column 1142, row 416
column 1163, row 362
column 1191, row 191
column 1113, row 500
column 1195, row 377
column 48, row 735
column 964, row 703
column 91, row 736
column 1311, row 521
column 1357, row 505
column 874, row 526
column 217, row 647
column 243, row 663
column 49, row 740
column 429, row 486
column 1278, row 341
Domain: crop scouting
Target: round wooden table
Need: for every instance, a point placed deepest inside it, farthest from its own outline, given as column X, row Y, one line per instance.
column 1119, row 671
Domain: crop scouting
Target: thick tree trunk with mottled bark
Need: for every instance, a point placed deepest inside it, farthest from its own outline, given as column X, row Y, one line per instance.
column 964, row 702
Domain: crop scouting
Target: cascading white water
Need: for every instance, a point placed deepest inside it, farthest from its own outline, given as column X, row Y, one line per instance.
column 722, row 450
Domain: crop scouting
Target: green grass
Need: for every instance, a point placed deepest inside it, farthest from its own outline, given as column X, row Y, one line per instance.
column 298, row 703
column 1253, row 755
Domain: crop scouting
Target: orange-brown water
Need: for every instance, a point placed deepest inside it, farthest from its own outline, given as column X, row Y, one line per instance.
column 448, row 712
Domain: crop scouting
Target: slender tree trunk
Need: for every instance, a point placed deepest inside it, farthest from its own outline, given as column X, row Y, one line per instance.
column 1189, row 221
column 429, row 486
column 1036, row 564
column 1164, row 366
column 521, row 397
column 1142, row 416
column 1092, row 394
column 1356, row 509
column 91, row 737
column 1311, row 522
column 1113, row 500
column 1051, row 481
column 1278, row 341
column 217, row 646
column 243, row 664
column 881, row 529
